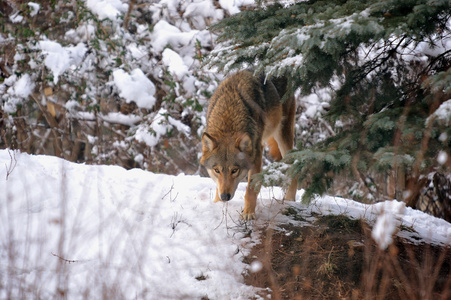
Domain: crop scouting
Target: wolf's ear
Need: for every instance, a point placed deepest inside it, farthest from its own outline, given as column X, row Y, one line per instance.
column 244, row 143
column 208, row 143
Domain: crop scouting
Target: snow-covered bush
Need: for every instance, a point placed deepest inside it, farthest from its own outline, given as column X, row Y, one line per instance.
column 108, row 81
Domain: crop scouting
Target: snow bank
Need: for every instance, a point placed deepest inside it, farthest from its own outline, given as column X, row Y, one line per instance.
column 422, row 227
column 96, row 230
column 105, row 230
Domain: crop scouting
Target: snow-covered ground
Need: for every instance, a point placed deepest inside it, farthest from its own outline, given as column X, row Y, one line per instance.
column 89, row 231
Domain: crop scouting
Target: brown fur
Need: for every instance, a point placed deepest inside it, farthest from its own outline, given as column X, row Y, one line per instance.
column 243, row 114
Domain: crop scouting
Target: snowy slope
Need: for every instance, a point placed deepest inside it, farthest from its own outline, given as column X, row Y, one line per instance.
column 104, row 230
column 91, row 231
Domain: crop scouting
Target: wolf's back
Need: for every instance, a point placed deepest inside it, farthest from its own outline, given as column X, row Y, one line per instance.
column 240, row 103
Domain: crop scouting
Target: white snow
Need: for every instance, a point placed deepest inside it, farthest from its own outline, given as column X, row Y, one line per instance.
column 119, row 118
column 442, row 157
column 135, row 87
column 198, row 12
column 23, row 87
column 165, row 34
column 110, row 9
column 312, row 104
column 20, row 89
column 387, row 224
column 443, row 137
column 139, row 234
column 159, row 125
column 256, row 266
column 34, row 8
column 16, row 17
column 83, row 33
column 233, row 6
column 424, row 228
column 136, row 52
column 59, row 59
column 442, row 114
column 92, row 231
column 174, row 63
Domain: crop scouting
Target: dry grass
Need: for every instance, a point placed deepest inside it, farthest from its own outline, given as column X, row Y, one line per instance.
column 336, row 258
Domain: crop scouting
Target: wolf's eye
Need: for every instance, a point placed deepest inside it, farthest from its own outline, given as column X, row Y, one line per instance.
column 216, row 170
column 235, row 170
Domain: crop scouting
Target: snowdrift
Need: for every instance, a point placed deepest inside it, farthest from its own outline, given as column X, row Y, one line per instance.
column 102, row 231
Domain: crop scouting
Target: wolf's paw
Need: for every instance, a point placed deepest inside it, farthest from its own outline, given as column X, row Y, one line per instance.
column 248, row 216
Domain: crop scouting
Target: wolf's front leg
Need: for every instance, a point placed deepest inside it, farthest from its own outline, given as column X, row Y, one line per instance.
column 250, row 199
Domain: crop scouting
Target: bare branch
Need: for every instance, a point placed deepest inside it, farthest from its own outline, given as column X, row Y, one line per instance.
column 12, row 164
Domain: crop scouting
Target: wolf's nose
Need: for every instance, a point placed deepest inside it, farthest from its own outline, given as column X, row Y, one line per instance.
column 226, row 197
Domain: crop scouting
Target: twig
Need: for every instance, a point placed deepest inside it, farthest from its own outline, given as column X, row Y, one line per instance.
column 53, row 124
column 328, row 127
column 224, row 216
column 176, row 220
column 12, row 164
column 170, row 192
column 65, row 260
column 127, row 16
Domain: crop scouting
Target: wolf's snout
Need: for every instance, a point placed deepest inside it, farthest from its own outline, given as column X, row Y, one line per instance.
column 226, row 197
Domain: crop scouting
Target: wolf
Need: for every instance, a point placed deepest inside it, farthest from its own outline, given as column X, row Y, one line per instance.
column 245, row 112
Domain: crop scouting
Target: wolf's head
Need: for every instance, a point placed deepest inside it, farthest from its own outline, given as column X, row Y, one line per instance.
column 227, row 161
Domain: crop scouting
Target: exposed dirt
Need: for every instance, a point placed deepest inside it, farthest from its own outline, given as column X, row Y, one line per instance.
column 336, row 258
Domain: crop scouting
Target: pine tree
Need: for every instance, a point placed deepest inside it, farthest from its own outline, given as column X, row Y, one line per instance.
column 391, row 61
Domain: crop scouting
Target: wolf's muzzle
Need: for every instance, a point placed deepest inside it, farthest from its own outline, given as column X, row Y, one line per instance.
column 226, row 197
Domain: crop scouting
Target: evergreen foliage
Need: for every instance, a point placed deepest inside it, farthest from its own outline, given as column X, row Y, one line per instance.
column 387, row 64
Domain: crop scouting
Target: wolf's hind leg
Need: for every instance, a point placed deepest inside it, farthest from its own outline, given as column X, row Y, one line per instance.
column 274, row 150
column 285, row 140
